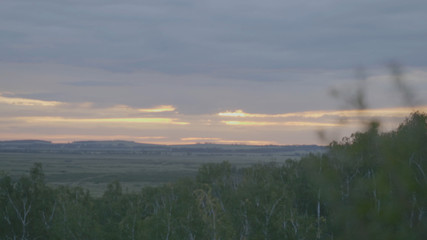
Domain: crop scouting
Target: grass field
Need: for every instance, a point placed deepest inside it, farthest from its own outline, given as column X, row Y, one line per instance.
column 95, row 171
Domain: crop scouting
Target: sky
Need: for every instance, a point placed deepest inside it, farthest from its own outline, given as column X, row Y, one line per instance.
column 196, row 71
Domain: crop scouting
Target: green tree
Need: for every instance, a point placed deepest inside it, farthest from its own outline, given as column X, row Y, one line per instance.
column 375, row 183
column 28, row 206
column 76, row 216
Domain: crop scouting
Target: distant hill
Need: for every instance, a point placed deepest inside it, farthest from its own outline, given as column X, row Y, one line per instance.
column 122, row 147
column 24, row 142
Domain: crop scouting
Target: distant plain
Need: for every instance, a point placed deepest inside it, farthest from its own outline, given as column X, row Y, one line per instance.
column 134, row 170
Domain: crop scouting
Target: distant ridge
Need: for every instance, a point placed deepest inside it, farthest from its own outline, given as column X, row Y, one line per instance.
column 130, row 147
column 29, row 141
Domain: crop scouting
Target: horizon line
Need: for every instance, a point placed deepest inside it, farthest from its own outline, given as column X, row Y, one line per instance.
column 237, row 143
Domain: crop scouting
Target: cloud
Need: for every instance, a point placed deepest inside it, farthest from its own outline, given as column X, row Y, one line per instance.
column 213, row 36
column 200, row 93
column 163, row 124
column 49, row 120
column 27, row 102
column 188, row 60
column 385, row 112
column 158, row 109
column 300, row 124
column 53, row 112
column 315, row 120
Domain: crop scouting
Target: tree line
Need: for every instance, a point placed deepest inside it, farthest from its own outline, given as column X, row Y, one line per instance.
column 370, row 185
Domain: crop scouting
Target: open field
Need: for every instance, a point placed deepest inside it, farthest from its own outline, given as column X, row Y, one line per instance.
column 94, row 170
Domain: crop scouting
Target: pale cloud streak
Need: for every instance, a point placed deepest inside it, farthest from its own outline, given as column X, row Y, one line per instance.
column 81, row 108
column 49, row 120
column 29, row 116
column 384, row 112
column 53, row 120
column 341, row 122
column 299, row 124
column 158, row 109
column 27, row 102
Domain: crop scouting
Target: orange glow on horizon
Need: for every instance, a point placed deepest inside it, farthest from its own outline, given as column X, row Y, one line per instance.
column 200, row 139
column 161, row 140
column 207, row 140
column 82, row 137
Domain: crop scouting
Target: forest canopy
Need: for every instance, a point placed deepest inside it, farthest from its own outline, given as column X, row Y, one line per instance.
column 370, row 185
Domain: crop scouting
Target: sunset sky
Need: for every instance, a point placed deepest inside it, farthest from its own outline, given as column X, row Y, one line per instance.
column 191, row 71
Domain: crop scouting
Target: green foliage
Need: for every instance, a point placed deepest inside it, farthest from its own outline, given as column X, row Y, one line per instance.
column 26, row 205
column 75, row 217
column 371, row 185
column 375, row 184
